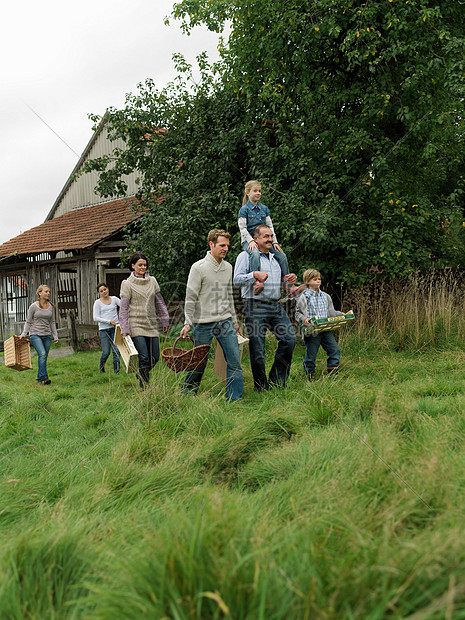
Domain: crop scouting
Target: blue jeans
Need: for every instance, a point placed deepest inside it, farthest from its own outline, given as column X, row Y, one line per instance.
column 106, row 338
column 329, row 344
column 149, row 351
column 42, row 345
column 260, row 316
column 254, row 259
column 225, row 333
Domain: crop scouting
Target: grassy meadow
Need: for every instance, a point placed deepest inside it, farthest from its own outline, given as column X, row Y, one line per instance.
column 343, row 498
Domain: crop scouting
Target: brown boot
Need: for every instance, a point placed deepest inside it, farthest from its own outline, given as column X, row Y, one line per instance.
column 144, row 377
column 333, row 370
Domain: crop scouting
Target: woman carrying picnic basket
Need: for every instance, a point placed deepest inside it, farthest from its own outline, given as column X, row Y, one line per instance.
column 41, row 327
column 142, row 310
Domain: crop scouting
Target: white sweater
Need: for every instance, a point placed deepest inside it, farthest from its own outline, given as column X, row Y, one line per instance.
column 105, row 313
column 209, row 296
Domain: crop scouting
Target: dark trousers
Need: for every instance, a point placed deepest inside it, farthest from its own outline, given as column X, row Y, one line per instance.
column 260, row 316
column 329, row 344
column 148, row 350
column 225, row 333
column 106, row 339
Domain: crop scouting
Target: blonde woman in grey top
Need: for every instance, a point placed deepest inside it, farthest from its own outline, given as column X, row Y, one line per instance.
column 41, row 327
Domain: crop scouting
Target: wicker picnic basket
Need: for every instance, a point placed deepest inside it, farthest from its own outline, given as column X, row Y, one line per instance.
column 178, row 359
column 17, row 353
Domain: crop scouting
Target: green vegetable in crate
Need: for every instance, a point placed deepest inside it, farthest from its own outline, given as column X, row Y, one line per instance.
column 331, row 323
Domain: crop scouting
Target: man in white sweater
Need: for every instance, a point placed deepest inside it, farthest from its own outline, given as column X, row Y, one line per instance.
column 209, row 309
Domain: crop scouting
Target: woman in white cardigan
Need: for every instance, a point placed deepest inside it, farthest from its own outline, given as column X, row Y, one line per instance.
column 106, row 315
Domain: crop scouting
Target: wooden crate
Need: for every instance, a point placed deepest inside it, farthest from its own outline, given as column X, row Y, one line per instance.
column 17, row 353
column 127, row 350
column 330, row 324
column 219, row 366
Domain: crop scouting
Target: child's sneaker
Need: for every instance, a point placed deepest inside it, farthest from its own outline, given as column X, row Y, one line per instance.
column 293, row 293
column 258, row 287
column 291, row 289
column 333, row 370
column 296, row 290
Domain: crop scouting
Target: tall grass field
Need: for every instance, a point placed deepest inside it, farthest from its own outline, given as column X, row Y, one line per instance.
column 338, row 499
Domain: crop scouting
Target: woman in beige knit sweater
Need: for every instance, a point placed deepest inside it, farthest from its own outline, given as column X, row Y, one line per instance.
column 142, row 311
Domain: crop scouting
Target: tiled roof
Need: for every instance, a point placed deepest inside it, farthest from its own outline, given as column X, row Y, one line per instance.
column 75, row 230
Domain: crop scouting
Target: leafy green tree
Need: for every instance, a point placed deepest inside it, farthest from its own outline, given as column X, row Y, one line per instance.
column 351, row 114
column 187, row 145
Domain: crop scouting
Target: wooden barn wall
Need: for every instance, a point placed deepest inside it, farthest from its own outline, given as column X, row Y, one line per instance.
column 72, row 285
column 39, row 273
column 81, row 191
column 4, row 323
column 86, row 288
column 33, row 274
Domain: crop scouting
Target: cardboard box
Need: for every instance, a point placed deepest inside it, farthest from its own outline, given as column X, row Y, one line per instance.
column 219, row 365
column 127, row 350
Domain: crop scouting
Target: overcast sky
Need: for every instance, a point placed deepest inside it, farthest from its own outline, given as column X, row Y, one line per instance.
column 65, row 60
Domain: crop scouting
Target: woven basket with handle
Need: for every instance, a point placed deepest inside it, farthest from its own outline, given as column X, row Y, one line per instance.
column 185, row 359
column 17, row 353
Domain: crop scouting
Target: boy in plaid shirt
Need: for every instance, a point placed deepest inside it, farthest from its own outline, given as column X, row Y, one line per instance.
column 316, row 303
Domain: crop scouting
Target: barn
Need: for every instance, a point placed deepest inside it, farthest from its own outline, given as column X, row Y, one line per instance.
column 78, row 245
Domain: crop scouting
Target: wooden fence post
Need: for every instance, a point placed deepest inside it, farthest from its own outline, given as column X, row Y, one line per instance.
column 72, row 330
